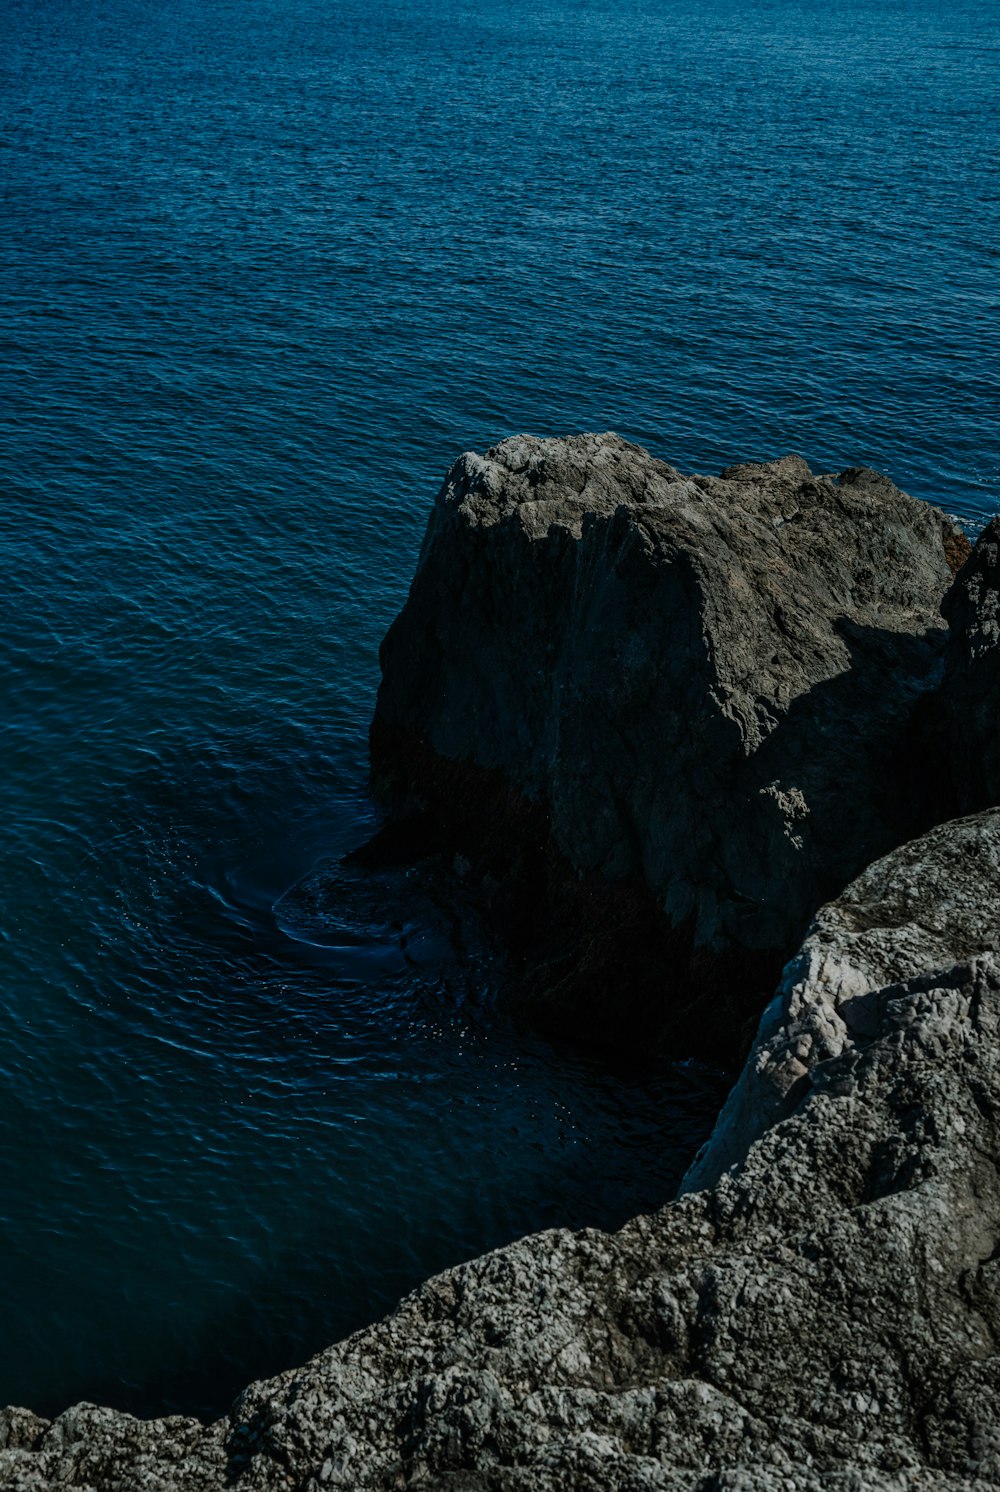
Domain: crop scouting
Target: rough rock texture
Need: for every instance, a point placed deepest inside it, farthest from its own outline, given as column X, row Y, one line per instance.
column 696, row 690
column 969, row 701
column 931, row 903
column 826, row 1317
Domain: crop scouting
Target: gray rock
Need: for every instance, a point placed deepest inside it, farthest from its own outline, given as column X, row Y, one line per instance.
column 826, row 1316
column 694, row 688
column 663, row 677
column 933, row 902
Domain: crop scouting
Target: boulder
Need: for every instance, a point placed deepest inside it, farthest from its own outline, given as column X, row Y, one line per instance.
column 825, row 1316
column 672, row 711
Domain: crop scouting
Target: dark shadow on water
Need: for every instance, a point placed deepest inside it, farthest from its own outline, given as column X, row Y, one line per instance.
column 630, row 1130
column 294, row 1310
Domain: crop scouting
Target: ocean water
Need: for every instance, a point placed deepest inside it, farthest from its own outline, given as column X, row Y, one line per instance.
column 266, row 267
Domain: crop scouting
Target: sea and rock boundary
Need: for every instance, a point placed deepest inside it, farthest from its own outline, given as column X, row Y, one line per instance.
column 703, row 738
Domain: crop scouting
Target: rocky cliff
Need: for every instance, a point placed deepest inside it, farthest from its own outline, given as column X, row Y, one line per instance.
column 820, row 1309
column 638, row 697
column 826, row 1315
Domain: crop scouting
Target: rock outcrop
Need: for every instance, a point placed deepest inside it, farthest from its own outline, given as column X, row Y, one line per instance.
column 826, row 1316
column 687, row 696
column 672, row 711
column 932, row 903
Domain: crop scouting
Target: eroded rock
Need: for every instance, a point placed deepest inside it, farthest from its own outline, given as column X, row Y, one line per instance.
column 933, row 902
column 697, row 691
column 825, row 1316
column 672, row 710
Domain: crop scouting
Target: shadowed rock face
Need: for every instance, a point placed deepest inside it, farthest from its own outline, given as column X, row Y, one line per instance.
column 968, row 707
column 691, row 694
column 825, row 1316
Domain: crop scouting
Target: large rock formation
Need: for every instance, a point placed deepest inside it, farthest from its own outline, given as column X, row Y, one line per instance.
column 827, row 1316
column 693, row 687
column 672, row 710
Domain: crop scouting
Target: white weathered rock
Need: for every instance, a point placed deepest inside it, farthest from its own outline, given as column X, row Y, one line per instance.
column 932, row 903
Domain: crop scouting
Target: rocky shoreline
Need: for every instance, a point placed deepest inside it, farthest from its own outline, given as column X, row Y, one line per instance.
column 673, row 715
column 690, row 730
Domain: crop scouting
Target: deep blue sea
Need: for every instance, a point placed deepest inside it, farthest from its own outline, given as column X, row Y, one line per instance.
column 266, row 268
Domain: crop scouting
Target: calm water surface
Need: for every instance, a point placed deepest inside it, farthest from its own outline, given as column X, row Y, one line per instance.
column 266, row 267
